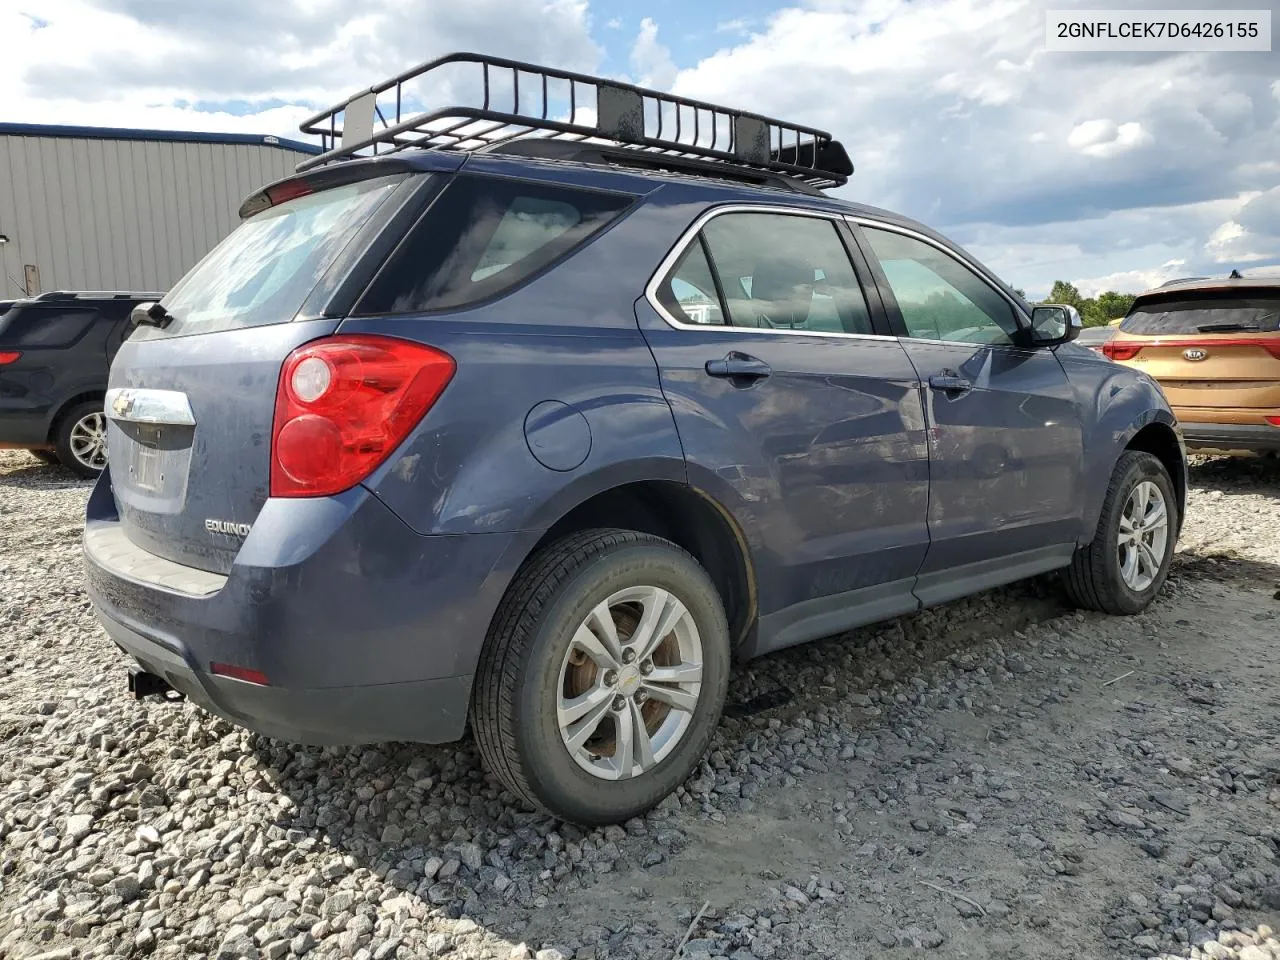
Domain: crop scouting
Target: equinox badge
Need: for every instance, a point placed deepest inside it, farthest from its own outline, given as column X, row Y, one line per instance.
column 228, row 527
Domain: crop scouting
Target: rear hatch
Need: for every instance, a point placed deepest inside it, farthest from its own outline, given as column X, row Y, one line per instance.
column 191, row 402
column 1210, row 350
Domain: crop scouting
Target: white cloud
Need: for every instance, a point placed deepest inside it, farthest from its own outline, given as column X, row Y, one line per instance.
column 239, row 65
column 1133, row 281
column 1103, row 138
column 650, row 60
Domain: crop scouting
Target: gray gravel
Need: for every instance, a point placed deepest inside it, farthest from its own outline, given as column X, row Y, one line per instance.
column 1001, row 777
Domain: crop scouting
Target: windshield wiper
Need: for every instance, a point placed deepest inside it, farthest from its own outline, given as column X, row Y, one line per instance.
column 1226, row 327
column 151, row 315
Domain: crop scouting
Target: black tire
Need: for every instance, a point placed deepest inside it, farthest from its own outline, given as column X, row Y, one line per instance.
column 44, row 456
column 1094, row 579
column 62, row 439
column 513, row 711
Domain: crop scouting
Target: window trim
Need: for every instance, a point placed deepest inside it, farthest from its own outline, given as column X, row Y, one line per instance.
column 1019, row 316
column 694, row 232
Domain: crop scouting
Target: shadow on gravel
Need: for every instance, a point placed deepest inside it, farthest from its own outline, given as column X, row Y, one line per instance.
column 430, row 823
column 34, row 475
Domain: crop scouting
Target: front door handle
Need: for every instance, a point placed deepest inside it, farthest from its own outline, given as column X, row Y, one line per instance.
column 739, row 366
column 949, row 383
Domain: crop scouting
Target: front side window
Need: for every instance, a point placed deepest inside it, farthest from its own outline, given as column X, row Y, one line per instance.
column 939, row 297
column 484, row 235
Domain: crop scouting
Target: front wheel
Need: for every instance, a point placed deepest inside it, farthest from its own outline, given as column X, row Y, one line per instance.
column 1125, row 566
column 603, row 676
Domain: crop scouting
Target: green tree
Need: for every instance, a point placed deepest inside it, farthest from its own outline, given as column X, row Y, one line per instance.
column 1113, row 305
column 1064, row 292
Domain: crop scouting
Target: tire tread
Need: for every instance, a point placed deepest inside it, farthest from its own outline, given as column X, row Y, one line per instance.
column 499, row 671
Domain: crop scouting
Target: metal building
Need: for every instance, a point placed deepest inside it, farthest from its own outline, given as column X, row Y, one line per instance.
column 96, row 208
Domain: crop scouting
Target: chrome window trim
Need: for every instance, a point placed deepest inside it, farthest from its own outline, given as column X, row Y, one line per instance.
column 976, row 268
column 691, row 234
column 141, row 405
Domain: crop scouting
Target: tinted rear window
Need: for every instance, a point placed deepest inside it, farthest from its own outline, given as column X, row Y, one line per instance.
column 1255, row 315
column 263, row 271
column 45, row 326
column 483, row 236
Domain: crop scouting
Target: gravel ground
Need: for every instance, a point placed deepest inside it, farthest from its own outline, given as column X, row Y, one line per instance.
column 1000, row 777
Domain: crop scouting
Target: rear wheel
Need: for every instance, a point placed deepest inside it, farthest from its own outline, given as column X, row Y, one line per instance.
column 1125, row 566
column 603, row 676
column 81, row 441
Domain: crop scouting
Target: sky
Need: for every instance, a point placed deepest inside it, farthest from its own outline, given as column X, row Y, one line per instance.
column 1113, row 171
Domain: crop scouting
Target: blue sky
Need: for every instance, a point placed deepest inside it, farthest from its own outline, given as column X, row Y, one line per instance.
column 1113, row 171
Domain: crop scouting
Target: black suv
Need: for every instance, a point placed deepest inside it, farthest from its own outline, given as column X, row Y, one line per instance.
column 55, row 351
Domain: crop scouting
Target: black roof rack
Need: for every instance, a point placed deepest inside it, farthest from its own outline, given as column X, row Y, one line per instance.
column 609, row 121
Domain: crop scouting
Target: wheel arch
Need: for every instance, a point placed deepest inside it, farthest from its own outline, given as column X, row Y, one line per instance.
column 1160, row 440
column 688, row 517
column 60, row 414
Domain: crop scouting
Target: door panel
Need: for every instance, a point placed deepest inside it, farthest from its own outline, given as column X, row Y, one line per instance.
column 1005, row 452
column 1005, row 431
column 825, row 457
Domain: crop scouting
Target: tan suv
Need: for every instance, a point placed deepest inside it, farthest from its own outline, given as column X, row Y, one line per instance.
column 1214, row 347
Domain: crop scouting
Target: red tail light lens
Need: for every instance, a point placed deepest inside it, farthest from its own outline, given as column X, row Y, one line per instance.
column 1120, row 351
column 8, row 356
column 343, row 404
column 1274, row 421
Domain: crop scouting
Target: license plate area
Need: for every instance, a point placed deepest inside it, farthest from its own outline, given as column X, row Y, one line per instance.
column 145, row 468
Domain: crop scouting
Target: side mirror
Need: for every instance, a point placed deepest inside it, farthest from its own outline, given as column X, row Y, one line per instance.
column 1054, row 323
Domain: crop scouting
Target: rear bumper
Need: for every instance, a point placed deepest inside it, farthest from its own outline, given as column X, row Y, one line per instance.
column 366, row 630
column 429, row 711
column 1231, row 436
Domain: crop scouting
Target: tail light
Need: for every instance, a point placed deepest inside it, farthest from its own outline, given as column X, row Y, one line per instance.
column 343, row 404
column 8, row 356
column 1128, row 349
column 1274, row 421
column 1120, row 351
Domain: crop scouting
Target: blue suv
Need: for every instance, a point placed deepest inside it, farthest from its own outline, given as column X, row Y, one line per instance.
column 534, row 424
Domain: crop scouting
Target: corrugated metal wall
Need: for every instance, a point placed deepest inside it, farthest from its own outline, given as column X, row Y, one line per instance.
column 94, row 214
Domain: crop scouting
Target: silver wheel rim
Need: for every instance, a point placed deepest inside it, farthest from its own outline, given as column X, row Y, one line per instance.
column 1144, row 535
column 629, row 683
column 89, row 441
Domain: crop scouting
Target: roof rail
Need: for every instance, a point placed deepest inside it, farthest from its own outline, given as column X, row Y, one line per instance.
column 96, row 295
column 522, row 101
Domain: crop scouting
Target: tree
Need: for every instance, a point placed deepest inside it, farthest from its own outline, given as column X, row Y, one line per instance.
column 1064, row 292
column 1094, row 311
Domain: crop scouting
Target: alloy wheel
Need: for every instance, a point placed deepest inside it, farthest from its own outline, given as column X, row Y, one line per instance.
column 629, row 683
column 89, row 441
column 1143, row 536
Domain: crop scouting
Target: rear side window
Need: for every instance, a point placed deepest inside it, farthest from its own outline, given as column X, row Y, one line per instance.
column 776, row 271
column 263, row 271
column 1253, row 315
column 44, row 326
column 483, row 236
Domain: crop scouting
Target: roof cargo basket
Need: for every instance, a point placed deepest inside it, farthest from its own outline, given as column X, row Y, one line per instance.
column 512, row 101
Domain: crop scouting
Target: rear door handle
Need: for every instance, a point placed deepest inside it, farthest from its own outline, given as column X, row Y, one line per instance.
column 949, row 383
column 739, row 366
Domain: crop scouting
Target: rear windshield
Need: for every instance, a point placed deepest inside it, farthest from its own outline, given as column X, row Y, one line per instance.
column 1256, row 315
column 263, row 271
column 483, row 236
column 44, row 326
